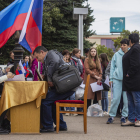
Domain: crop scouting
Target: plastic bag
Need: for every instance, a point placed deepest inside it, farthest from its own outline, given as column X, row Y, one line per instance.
column 95, row 110
column 79, row 94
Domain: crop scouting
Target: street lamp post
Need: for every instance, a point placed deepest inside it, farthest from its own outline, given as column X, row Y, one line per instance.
column 18, row 51
column 80, row 14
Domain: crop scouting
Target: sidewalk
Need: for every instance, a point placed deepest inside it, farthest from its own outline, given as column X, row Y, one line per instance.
column 97, row 130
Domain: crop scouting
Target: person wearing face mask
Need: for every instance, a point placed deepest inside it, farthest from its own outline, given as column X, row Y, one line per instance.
column 93, row 67
column 116, row 78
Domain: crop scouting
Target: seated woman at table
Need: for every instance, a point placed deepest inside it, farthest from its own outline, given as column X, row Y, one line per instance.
column 2, row 79
column 6, row 77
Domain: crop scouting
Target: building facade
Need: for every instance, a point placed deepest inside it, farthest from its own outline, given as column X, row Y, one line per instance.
column 103, row 40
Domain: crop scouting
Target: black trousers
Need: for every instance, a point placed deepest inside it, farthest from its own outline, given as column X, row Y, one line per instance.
column 2, row 117
column 94, row 101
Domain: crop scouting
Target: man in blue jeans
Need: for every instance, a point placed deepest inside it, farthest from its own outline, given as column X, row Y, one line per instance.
column 51, row 62
column 131, row 80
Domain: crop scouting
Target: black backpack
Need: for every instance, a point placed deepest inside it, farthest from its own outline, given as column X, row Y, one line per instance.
column 66, row 78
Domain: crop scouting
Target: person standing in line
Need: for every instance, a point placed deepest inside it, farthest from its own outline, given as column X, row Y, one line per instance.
column 76, row 55
column 68, row 61
column 33, row 64
column 116, row 77
column 93, row 67
column 120, row 107
column 104, row 62
column 131, row 80
column 76, row 58
column 86, row 51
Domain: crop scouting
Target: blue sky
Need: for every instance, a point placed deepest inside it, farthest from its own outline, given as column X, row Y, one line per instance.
column 104, row 9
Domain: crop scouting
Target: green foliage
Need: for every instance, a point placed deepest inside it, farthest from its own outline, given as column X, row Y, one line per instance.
column 59, row 30
column 104, row 49
column 49, row 16
column 124, row 34
column 66, row 29
column 9, row 46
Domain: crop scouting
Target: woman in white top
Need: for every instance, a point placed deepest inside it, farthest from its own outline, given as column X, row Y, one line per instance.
column 5, row 77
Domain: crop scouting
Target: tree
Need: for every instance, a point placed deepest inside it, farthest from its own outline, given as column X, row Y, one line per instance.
column 66, row 29
column 46, row 28
column 9, row 46
column 59, row 30
column 104, row 49
column 124, row 34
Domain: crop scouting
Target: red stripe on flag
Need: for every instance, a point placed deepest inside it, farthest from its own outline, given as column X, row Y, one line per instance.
column 18, row 24
column 33, row 34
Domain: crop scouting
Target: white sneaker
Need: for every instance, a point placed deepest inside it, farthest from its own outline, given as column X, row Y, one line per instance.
column 104, row 112
column 74, row 114
column 67, row 114
column 107, row 113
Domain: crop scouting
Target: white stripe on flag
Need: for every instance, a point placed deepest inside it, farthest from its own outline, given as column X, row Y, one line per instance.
column 26, row 22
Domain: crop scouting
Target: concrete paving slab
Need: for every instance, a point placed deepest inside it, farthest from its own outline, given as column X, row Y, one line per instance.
column 97, row 130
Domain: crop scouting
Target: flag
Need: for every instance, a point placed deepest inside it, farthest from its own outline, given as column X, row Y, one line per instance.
column 25, row 15
column 20, row 69
column 26, row 67
column 21, row 66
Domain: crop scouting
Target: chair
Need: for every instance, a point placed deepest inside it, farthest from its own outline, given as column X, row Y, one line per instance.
column 73, row 103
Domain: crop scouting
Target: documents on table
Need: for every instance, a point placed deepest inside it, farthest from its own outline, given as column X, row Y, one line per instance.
column 95, row 87
column 19, row 77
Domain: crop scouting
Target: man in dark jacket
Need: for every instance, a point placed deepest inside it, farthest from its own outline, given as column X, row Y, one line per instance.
column 51, row 60
column 131, row 80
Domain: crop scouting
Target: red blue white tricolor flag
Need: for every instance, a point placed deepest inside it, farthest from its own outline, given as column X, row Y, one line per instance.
column 25, row 15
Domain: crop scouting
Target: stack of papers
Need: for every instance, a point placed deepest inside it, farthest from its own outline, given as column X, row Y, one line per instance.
column 19, row 77
column 95, row 87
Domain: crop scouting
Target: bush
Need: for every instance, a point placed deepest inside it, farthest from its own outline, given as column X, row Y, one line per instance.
column 104, row 49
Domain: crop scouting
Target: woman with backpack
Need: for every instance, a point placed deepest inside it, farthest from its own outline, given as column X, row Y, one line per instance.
column 93, row 67
column 104, row 63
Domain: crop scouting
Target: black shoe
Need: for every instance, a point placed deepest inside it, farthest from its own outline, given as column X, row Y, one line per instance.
column 61, row 129
column 6, row 124
column 3, row 131
column 43, row 130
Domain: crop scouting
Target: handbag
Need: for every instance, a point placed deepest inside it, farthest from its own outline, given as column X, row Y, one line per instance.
column 66, row 78
column 105, row 86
